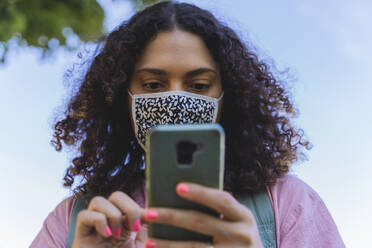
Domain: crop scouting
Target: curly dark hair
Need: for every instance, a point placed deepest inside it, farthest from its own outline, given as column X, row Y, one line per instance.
column 261, row 141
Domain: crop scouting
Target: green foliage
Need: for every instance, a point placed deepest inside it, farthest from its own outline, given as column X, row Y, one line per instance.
column 141, row 4
column 36, row 22
column 46, row 24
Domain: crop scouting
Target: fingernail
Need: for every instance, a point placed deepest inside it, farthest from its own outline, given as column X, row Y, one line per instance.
column 182, row 188
column 108, row 231
column 117, row 231
column 151, row 215
column 137, row 225
column 150, row 244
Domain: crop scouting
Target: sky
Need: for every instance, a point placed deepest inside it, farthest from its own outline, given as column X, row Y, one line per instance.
column 324, row 46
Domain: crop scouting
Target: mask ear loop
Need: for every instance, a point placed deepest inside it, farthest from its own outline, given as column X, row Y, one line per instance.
column 130, row 94
column 217, row 100
column 220, row 97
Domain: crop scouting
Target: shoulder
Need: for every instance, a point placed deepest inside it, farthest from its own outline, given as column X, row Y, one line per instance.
column 292, row 198
column 64, row 209
column 292, row 182
column 301, row 217
column 54, row 231
column 293, row 187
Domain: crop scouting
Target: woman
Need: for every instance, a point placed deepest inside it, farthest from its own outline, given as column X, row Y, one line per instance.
column 184, row 51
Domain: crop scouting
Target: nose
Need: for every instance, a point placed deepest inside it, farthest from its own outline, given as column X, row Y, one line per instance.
column 175, row 84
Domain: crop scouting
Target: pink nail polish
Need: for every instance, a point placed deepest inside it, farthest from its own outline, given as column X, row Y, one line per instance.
column 117, row 231
column 182, row 188
column 137, row 225
column 151, row 215
column 150, row 244
column 108, row 231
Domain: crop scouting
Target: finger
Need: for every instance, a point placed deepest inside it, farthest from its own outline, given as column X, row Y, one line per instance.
column 129, row 208
column 142, row 236
column 189, row 219
column 88, row 220
column 221, row 201
column 112, row 213
column 161, row 243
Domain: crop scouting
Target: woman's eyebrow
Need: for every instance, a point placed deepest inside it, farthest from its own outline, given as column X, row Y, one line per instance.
column 198, row 71
column 153, row 71
column 189, row 74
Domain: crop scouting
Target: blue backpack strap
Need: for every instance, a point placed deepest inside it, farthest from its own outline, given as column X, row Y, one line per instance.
column 260, row 205
column 78, row 206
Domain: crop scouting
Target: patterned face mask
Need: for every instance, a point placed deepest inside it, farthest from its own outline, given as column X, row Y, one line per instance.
column 171, row 107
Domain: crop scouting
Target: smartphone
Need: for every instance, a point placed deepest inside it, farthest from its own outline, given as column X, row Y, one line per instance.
column 182, row 153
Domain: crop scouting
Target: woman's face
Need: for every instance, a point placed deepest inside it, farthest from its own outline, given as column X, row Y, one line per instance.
column 176, row 60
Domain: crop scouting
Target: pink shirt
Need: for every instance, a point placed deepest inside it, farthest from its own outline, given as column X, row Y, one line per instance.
column 301, row 219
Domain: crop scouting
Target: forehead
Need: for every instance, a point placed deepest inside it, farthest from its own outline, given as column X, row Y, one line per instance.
column 175, row 49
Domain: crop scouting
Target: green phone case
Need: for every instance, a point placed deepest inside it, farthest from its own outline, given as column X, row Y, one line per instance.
column 164, row 172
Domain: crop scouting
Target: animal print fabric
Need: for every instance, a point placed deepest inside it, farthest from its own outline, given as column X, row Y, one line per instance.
column 171, row 107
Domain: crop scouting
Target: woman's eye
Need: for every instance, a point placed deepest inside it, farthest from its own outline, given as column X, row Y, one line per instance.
column 199, row 86
column 152, row 85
